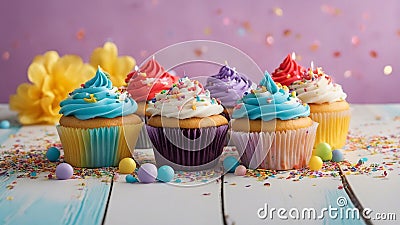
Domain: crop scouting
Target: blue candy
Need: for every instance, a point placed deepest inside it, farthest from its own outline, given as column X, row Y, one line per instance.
column 165, row 173
column 337, row 155
column 230, row 163
column 53, row 154
column 131, row 179
column 5, row 124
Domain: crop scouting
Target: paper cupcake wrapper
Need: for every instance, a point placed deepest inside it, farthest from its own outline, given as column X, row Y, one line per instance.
column 280, row 150
column 143, row 141
column 187, row 149
column 97, row 147
column 333, row 128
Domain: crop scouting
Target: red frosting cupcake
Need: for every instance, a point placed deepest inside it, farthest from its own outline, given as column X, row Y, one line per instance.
column 288, row 72
column 150, row 80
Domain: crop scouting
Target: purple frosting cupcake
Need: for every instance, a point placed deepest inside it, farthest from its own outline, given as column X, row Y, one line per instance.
column 228, row 86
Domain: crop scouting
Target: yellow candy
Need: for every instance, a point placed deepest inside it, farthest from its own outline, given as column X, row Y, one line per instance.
column 92, row 99
column 315, row 163
column 127, row 166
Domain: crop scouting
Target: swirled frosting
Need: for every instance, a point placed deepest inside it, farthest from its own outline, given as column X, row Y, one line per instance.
column 288, row 72
column 228, row 86
column 270, row 101
column 318, row 87
column 185, row 99
column 151, row 79
column 98, row 98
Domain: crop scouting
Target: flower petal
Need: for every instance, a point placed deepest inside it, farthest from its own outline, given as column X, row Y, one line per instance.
column 48, row 59
column 36, row 73
column 122, row 67
column 104, row 57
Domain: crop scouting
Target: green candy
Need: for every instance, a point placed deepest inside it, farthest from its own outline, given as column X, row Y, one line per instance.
column 324, row 151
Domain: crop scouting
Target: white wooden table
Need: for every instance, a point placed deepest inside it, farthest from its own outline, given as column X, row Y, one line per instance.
column 206, row 197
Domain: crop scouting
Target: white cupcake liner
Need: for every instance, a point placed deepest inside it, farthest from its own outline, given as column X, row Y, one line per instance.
column 143, row 141
column 279, row 150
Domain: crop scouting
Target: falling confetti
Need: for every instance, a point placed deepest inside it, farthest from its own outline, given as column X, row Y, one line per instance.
column 226, row 21
column 269, row 40
column 143, row 53
column 246, row 25
column 336, row 54
column 207, row 31
column 287, row 32
column 355, row 40
column 241, row 31
column 387, row 70
column 398, row 32
column 330, row 10
column 219, row 11
column 365, row 15
column 362, row 27
column 347, row 73
column 315, row 46
column 5, row 56
column 298, row 36
column 80, row 35
column 278, row 11
column 373, row 54
column 200, row 51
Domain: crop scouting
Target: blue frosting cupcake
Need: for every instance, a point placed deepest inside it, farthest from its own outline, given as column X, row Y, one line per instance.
column 271, row 128
column 96, row 120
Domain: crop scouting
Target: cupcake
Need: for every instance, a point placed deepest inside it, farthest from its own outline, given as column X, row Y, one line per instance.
column 186, row 128
column 271, row 128
column 228, row 86
column 143, row 85
column 288, row 71
column 95, row 120
column 148, row 81
column 328, row 106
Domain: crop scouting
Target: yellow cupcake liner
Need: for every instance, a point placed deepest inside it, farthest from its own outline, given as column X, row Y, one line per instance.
column 333, row 127
column 98, row 147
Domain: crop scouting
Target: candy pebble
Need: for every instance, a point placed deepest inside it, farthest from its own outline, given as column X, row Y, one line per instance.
column 130, row 179
column 127, row 165
column 165, row 173
column 230, row 163
column 4, row 124
column 324, row 151
column 315, row 163
column 337, row 155
column 64, row 171
column 53, row 154
column 240, row 170
column 147, row 173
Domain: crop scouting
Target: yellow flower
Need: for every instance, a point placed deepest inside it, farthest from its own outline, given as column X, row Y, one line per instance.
column 117, row 67
column 52, row 78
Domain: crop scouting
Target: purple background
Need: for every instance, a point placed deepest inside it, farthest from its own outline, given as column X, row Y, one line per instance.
column 321, row 31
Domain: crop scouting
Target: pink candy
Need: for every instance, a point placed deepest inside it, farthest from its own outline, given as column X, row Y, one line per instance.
column 240, row 170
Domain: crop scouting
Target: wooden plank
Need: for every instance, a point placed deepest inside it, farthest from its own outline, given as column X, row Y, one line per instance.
column 194, row 200
column 245, row 196
column 6, row 114
column 28, row 198
column 374, row 138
